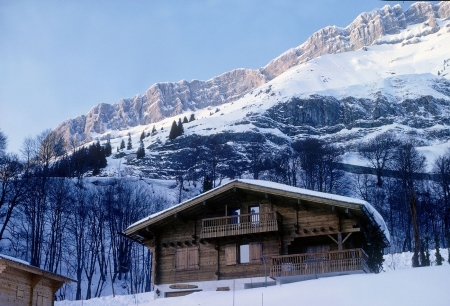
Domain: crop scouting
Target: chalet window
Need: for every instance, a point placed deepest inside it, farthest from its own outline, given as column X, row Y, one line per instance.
column 235, row 212
column 248, row 253
column 254, row 217
column 244, row 253
column 187, row 258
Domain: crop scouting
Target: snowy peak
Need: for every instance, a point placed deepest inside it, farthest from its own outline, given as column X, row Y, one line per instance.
column 389, row 25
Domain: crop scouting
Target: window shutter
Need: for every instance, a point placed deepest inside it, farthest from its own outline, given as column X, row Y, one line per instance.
column 193, row 262
column 230, row 254
column 255, row 252
column 181, row 259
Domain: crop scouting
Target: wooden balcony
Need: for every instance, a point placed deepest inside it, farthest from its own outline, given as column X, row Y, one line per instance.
column 319, row 263
column 240, row 224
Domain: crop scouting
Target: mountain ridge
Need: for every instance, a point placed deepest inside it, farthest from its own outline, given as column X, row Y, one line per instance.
column 163, row 100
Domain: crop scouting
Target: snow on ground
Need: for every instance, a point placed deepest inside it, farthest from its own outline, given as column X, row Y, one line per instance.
column 420, row 286
column 403, row 286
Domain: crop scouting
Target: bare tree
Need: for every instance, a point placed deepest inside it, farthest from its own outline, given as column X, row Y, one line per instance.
column 317, row 160
column 13, row 189
column 59, row 200
column 408, row 162
column 3, row 142
column 442, row 169
column 379, row 151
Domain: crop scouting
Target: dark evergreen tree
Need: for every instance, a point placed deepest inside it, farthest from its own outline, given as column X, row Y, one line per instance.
column 375, row 248
column 192, row 118
column 154, row 130
column 108, row 148
column 129, row 144
column 142, row 136
column 141, row 151
column 122, row 144
column 96, row 158
column 180, row 129
column 185, row 120
column 173, row 131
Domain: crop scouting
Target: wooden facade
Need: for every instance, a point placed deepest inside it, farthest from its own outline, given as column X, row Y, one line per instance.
column 22, row 284
column 247, row 229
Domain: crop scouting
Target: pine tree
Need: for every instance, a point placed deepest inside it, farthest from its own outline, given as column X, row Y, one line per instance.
column 129, row 144
column 192, row 118
column 154, row 130
column 142, row 136
column 141, row 151
column 122, row 144
column 185, row 120
column 180, row 130
column 173, row 131
column 108, row 148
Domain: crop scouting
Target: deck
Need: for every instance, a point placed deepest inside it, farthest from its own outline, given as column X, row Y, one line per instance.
column 319, row 263
column 240, row 224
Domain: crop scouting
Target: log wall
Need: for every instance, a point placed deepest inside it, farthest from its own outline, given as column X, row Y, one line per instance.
column 303, row 224
column 19, row 288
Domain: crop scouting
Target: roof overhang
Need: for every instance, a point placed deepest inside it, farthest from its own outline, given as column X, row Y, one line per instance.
column 34, row 270
column 264, row 187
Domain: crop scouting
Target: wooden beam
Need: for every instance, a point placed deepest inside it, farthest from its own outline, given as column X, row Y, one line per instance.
column 346, row 237
column 331, row 237
column 349, row 213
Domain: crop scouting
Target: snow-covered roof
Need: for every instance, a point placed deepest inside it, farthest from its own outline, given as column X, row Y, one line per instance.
column 26, row 266
column 272, row 188
column 23, row 262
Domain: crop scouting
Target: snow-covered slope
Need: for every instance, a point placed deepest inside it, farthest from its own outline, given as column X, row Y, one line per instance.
column 349, row 97
column 419, row 286
column 391, row 27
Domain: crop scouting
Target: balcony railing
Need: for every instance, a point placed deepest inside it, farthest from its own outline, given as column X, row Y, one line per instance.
column 318, row 263
column 240, row 224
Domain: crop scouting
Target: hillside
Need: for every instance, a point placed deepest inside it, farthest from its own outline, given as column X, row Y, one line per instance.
column 400, row 84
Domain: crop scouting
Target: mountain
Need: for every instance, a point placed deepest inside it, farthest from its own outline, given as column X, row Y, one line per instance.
column 164, row 100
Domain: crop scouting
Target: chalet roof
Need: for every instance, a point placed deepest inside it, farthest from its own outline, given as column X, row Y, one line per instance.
column 269, row 188
column 25, row 266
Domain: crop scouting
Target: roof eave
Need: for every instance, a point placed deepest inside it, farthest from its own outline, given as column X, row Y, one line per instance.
column 238, row 184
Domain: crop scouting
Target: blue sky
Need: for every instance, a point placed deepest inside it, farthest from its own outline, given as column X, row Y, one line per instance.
column 59, row 58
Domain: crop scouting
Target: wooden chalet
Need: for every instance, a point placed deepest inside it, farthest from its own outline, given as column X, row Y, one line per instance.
column 22, row 284
column 257, row 232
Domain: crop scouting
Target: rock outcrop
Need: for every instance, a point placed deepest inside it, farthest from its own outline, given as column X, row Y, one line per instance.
column 164, row 100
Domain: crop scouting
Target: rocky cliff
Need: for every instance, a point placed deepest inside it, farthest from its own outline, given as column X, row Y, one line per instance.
column 164, row 100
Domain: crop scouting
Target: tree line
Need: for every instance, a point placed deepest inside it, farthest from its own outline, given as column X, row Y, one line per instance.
column 415, row 206
column 53, row 217
column 64, row 223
